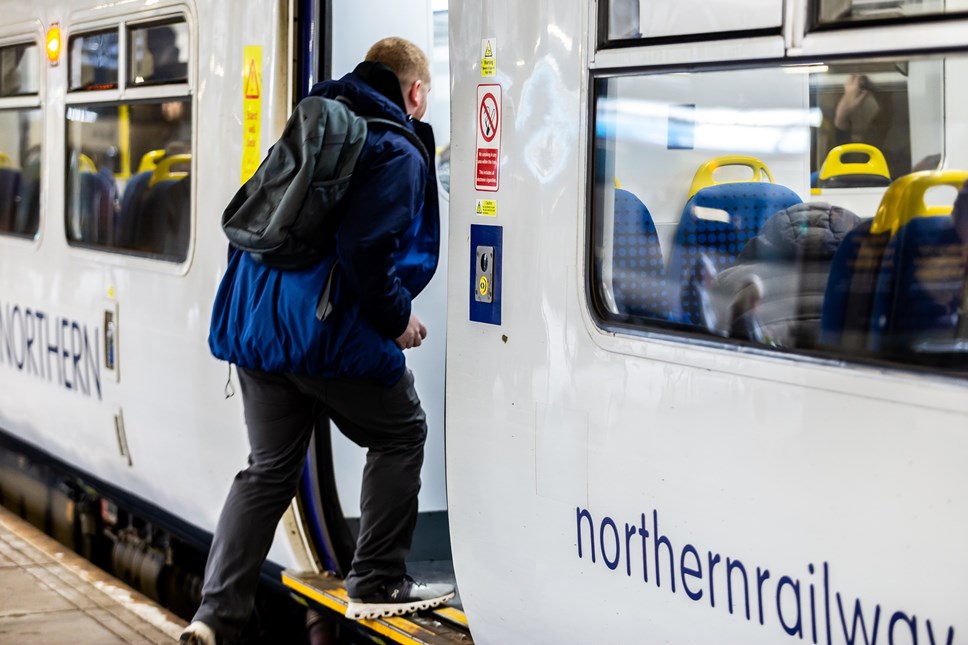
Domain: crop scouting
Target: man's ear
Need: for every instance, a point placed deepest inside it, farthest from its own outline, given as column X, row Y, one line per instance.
column 416, row 96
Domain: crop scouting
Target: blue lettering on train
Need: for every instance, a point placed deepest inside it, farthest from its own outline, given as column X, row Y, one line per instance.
column 51, row 348
column 807, row 608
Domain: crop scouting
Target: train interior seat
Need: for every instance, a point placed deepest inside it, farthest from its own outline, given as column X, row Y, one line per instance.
column 855, row 280
column 717, row 221
column 155, row 209
column 132, row 205
column 639, row 283
column 854, row 165
column 28, row 216
column 96, row 205
column 168, row 209
column 921, row 284
column 10, row 197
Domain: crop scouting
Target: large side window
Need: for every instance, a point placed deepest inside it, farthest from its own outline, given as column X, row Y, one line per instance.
column 801, row 208
column 129, row 156
column 20, row 141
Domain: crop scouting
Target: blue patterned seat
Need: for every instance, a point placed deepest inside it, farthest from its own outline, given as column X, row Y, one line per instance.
column 716, row 223
column 845, row 318
column 921, row 283
column 10, row 189
column 638, row 270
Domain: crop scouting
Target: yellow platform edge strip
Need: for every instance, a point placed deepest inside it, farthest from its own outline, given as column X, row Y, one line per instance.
column 395, row 629
column 454, row 614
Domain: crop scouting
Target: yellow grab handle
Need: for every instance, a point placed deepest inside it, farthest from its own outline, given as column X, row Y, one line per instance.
column 904, row 199
column 704, row 176
column 835, row 166
column 5, row 160
column 85, row 163
column 163, row 171
column 149, row 160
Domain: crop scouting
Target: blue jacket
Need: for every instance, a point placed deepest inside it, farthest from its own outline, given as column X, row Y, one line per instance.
column 385, row 252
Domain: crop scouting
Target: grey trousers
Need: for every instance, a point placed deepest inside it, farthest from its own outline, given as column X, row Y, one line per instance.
column 280, row 413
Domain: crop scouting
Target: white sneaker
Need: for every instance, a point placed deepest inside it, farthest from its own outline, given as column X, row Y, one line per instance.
column 198, row 633
column 402, row 597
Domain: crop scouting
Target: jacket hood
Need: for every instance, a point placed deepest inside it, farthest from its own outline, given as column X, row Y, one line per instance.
column 813, row 230
column 372, row 89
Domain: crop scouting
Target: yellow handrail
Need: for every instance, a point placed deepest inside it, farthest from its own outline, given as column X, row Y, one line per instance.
column 835, row 166
column 704, row 176
column 903, row 200
column 163, row 171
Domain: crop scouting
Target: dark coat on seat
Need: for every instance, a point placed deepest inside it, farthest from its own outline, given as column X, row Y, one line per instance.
column 778, row 282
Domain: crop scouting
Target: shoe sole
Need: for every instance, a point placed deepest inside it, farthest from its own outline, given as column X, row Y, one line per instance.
column 369, row 611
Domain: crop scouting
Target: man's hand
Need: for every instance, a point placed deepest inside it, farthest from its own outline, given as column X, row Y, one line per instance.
column 413, row 335
column 855, row 93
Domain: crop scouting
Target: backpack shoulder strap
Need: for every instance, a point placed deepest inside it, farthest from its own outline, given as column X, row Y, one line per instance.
column 393, row 125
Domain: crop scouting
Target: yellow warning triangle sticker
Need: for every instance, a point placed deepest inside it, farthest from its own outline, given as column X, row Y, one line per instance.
column 487, row 52
column 479, row 209
column 252, row 90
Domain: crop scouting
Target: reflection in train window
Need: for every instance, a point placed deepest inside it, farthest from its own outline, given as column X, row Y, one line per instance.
column 20, row 155
column 158, row 53
column 94, row 61
column 871, row 103
column 833, row 11
column 760, row 216
column 128, row 177
column 19, row 70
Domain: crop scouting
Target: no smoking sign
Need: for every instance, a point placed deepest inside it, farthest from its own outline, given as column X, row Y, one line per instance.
column 487, row 169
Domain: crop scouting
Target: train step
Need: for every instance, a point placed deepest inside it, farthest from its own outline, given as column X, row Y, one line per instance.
column 445, row 625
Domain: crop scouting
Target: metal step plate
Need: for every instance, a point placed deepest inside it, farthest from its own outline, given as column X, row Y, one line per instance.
column 442, row 626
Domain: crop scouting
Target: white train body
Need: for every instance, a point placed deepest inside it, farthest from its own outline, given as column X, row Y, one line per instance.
column 159, row 425
column 609, row 476
column 784, row 495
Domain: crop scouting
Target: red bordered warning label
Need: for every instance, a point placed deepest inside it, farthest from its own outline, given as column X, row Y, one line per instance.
column 487, row 173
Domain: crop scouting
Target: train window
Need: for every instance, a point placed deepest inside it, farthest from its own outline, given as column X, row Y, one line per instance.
column 633, row 19
column 128, row 177
column 840, row 11
column 19, row 70
column 158, row 53
column 760, row 207
column 20, row 155
column 94, row 61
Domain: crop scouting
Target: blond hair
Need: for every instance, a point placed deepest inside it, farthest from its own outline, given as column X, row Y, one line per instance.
column 407, row 61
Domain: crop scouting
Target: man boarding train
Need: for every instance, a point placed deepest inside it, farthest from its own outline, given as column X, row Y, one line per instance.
column 295, row 368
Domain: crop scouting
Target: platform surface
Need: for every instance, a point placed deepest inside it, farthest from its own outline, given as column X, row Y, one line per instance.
column 48, row 594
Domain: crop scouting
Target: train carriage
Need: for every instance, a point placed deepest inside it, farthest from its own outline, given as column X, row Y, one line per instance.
column 715, row 392
column 703, row 304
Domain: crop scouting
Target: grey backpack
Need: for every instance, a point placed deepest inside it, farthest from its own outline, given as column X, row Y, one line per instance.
column 286, row 214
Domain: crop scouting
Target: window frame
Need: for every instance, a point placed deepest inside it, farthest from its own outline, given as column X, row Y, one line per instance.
column 128, row 94
column 677, row 334
column 604, row 43
column 14, row 35
column 814, row 24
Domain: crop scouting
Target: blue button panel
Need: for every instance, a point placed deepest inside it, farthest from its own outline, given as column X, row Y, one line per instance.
column 480, row 310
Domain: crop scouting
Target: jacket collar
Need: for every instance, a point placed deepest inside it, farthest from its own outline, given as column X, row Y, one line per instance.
column 372, row 89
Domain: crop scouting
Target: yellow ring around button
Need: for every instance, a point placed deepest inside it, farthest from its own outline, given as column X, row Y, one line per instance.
column 482, row 287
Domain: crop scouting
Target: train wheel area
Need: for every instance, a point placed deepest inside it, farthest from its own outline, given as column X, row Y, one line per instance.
column 445, row 625
column 50, row 595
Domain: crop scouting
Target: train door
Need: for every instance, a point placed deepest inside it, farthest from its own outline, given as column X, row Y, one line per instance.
column 329, row 500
